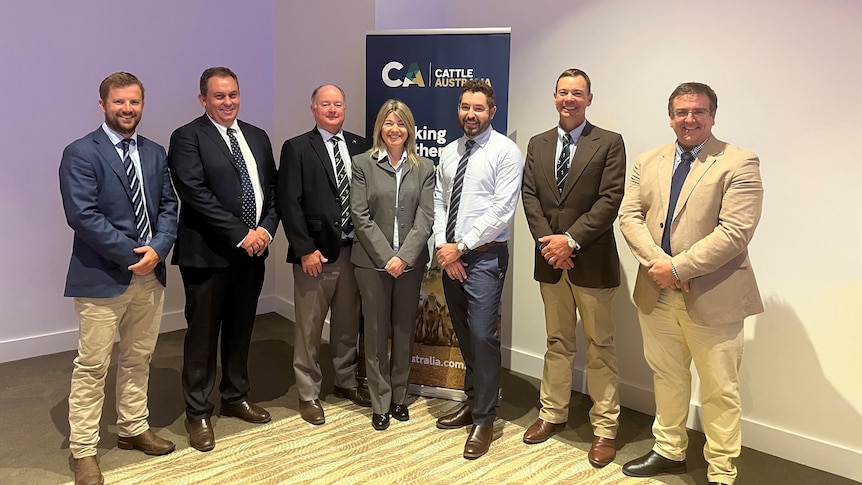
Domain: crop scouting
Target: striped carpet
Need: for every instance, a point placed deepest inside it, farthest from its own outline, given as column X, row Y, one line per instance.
column 347, row 450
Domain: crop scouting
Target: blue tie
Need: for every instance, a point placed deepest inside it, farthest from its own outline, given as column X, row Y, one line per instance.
column 455, row 196
column 675, row 187
column 141, row 221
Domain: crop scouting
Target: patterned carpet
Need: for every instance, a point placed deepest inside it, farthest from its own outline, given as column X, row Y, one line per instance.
column 347, row 450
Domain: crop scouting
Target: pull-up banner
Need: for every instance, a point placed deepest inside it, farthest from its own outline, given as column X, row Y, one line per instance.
column 426, row 69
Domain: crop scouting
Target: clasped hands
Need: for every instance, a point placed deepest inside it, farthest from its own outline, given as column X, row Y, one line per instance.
column 255, row 242
column 556, row 251
column 450, row 260
column 661, row 271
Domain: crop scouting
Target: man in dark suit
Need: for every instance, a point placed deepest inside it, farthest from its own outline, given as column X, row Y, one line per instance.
column 118, row 199
column 224, row 173
column 573, row 186
column 313, row 201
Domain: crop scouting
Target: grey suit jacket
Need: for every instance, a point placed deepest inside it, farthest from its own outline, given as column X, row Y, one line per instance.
column 714, row 220
column 372, row 206
column 586, row 209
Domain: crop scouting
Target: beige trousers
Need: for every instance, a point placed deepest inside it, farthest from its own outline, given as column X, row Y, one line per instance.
column 136, row 315
column 563, row 301
column 671, row 341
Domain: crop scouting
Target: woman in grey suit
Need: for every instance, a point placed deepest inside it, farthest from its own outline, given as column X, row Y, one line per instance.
column 391, row 202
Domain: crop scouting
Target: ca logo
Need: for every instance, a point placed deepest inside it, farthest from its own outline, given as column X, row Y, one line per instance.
column 413, row 76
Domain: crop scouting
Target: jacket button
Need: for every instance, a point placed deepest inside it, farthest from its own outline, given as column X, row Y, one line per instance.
column 335, row 223
column 661, row 225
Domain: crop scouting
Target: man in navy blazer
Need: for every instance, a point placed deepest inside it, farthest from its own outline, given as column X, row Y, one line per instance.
column 118, row 198
column 224, row 173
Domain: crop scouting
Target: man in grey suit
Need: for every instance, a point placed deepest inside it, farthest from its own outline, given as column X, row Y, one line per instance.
column 573, row 186
column 118, row 198
column 690, row 210
column 313, row 202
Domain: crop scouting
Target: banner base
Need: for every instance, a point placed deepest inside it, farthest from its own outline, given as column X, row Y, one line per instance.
column 438, row 392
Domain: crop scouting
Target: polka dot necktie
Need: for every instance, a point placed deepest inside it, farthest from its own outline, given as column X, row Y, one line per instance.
column 141, row 219
column 249, row 210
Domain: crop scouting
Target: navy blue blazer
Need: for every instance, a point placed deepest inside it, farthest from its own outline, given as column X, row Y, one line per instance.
column 98, row 206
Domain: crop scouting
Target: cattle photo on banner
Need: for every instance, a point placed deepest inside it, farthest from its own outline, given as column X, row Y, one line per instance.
column 426, row 69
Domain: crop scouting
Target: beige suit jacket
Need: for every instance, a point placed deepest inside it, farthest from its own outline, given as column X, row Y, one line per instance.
column 715, row 218
column 372, row 207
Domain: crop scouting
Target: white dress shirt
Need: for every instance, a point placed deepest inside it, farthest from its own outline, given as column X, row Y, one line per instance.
column 345, row 158
column 116, row 140
column 492, row 184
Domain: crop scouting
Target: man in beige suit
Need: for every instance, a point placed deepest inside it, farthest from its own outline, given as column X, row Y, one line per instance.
column 573, row 185
column 695, row 284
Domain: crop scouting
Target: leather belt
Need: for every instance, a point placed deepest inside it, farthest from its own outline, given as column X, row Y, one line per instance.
column 492, row 244
column 347, row 241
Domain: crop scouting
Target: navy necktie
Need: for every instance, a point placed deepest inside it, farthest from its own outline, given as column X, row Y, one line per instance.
column 563, row 165
column 343, row 186
column 455, row 197
column 249, row 208
column 141, row 220
column 676, row 183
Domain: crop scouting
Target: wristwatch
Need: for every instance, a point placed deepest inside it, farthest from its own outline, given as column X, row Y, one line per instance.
column 572, row 243
column 462, row 247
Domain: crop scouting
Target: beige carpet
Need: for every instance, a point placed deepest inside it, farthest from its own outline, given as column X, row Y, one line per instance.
column 347, row 450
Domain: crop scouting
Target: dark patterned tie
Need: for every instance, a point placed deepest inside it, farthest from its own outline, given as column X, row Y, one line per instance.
column 563, row 165
column 249, row 208
column 343, row 186
column 141, row 220
column 676, row 183
column 455, row 197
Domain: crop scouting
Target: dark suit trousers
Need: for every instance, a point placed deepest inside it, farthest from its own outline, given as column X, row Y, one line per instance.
column 474, row 306
column 219, row 300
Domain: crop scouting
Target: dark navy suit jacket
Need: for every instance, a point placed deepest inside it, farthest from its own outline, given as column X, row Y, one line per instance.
column 98, row 205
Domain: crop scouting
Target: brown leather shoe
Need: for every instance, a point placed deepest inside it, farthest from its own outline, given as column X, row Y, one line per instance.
column 312, row 411
column 87, row 471
column 148, row 442
column 201, row 435
column 358, row 395
column 478, row 441
column 541, row 430
column 463, row 416
column 247, row 411
column 602, row 451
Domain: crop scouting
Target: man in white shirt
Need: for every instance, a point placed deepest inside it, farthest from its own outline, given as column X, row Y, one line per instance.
column 478, row 184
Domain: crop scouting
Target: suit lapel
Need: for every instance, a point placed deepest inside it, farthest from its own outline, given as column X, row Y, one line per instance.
column 316, row 142
column 212, row 132
column 587, row 146
column 150, row 167
column 705, row 159
column 547, row 160
column 665, row 174
column 109, row 154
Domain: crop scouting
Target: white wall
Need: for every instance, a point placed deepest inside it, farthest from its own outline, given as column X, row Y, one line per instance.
column 787, row 78
column 52, row 66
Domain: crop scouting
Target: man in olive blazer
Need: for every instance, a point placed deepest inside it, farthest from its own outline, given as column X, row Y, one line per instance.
column 373, row 206
column 695, row 284
column 573, row 185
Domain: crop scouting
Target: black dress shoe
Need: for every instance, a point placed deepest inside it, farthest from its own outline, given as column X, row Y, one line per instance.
column 399, row 412
column 717, row 483
column 380, row 421
column 460, row 418
column 247, row 411
column 356, row 394
column 201, row 435
column 652, row 464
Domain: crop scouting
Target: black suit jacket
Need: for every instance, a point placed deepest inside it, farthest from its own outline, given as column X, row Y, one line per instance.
column 308, row 201
column 208, row 184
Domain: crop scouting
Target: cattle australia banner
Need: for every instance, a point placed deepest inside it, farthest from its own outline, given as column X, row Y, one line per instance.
column 426, row 69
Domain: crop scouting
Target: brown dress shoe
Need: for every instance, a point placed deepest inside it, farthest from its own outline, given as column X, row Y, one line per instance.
column 87, row 471
column 463, row 416
column 148, row 442
column 478, row 441
column 356, row 394
column 247, row 411
column 541, row 430
column 201, row 435
column 312, row 411
column 602, row 451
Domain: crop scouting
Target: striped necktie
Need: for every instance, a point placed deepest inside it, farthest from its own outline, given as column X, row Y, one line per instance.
column 249, row 208
column 141, row 219
column 343, row 187
column 563, row 165
column 455, row 197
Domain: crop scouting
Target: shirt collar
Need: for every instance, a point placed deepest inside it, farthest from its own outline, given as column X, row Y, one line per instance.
column 327, row 135
column 115, row 137
column 482, row 138
column 694, row 151
column 223, row 129
column 576, row 133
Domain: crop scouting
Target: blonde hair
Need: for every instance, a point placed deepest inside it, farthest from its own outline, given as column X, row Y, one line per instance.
column 403, row 112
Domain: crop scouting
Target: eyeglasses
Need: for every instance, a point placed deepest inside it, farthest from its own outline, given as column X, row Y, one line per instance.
column 697, row 113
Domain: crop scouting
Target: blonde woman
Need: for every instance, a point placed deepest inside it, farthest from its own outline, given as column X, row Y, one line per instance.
column 391, row 202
